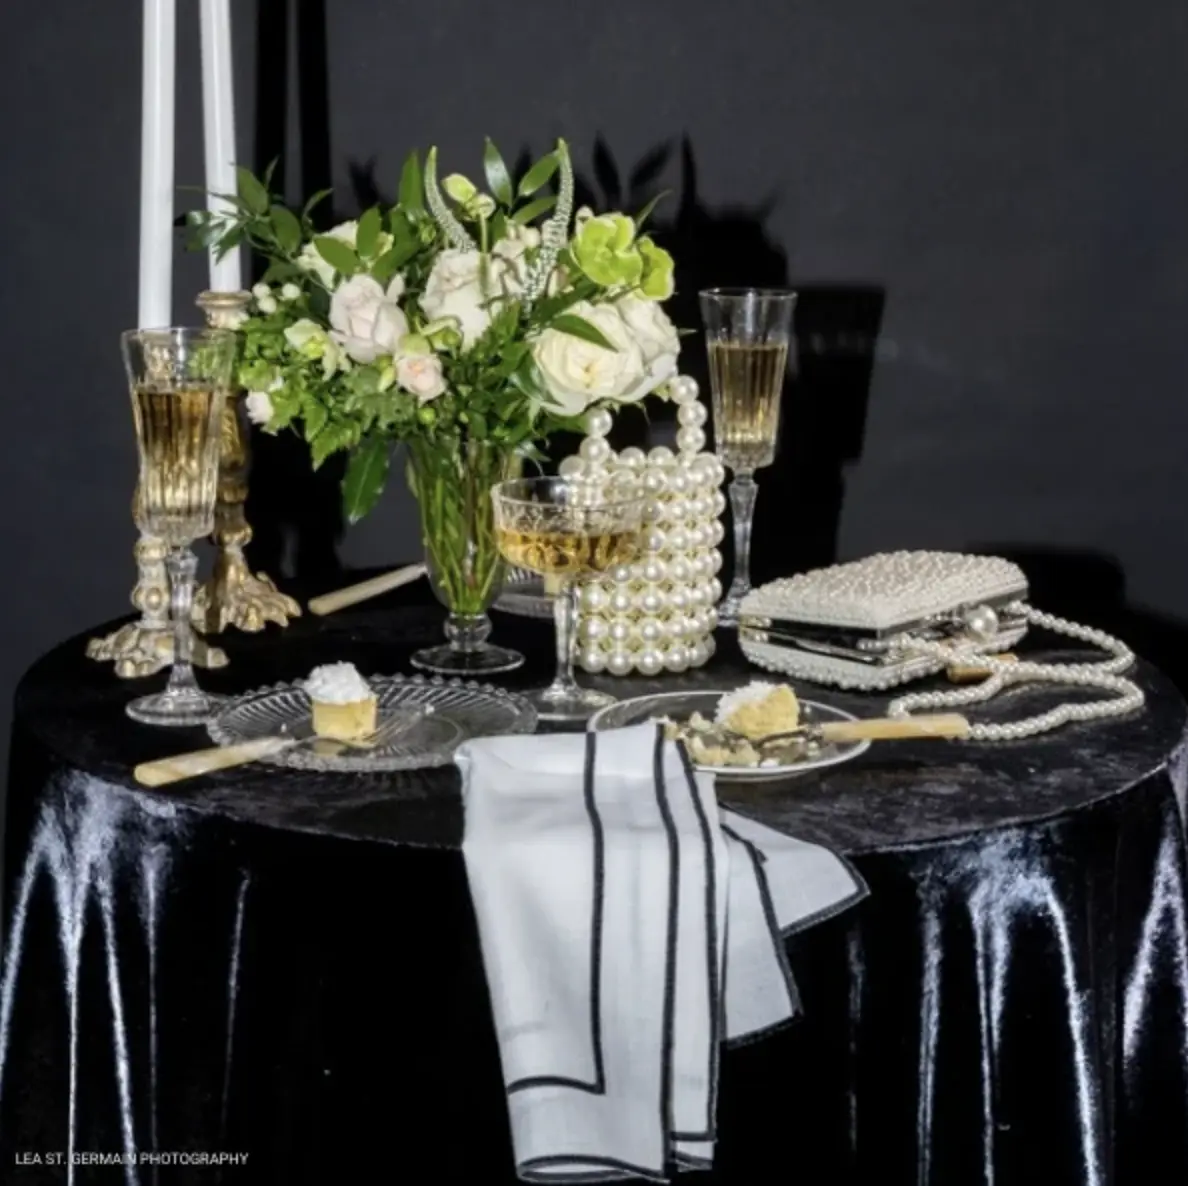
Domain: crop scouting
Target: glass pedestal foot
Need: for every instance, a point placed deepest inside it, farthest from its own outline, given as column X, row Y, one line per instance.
column 478, row 661
column 572, row 705
column 188, row 709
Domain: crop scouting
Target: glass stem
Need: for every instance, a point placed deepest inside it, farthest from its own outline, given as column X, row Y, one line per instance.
column 564, row 617
column 181, row 564
column 743, row 491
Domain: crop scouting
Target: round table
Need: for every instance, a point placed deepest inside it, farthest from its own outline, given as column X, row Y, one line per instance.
column 285, row 965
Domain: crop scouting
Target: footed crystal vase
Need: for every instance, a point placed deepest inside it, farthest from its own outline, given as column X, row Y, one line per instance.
column 452, row 484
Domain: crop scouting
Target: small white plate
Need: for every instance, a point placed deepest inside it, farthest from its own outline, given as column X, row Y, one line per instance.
column 679, row 706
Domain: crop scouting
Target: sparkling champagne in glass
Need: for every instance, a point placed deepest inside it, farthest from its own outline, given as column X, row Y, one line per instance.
column 748, row 333
column 567, row 530
column 179, row 380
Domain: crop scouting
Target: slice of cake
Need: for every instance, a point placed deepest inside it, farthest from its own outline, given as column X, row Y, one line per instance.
column 344, row 706
column 759, row 710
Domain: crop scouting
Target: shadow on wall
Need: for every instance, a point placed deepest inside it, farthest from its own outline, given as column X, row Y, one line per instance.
column 1090, row 588
column 295, row 513
column 825, row 399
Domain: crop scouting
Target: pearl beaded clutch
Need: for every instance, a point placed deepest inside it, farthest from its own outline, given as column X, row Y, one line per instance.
column 845, row 625
column 877, row 623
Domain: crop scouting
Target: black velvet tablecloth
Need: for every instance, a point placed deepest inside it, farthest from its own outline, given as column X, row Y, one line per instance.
column 286, row 965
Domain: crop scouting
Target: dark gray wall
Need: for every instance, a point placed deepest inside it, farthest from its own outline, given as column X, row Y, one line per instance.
column 1007, row 178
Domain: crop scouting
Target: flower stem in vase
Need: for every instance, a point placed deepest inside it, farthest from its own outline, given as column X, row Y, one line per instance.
column 452, row 481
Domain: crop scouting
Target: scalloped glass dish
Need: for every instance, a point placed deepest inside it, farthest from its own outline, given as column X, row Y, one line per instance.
column 680, row 706
column 460, row 710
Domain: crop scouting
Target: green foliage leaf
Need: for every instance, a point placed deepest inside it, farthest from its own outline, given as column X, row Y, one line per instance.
column 314, row 201
column 538, row 175
column 498, row 178
column 366, row 474
column 286, row 228
column 393, row 260
column 314, row 418
column 280, row 271
column 252, row 192
column 367, row 236
column 579, row 327
column 229, row 242
column 339, row 255
column 412, row 184
column 534, row 209
column 333, row 438
column 498, row 226
column 646, row 212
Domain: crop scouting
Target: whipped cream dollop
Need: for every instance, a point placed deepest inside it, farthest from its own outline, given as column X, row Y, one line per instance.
column 337, row 683
column 755, row 691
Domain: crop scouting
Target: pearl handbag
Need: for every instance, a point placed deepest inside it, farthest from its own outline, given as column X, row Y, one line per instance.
column 878, row 623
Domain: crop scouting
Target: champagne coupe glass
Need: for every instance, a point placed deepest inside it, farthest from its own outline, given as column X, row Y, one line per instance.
column 748, row 332
column 179, row 379
column 567, row 530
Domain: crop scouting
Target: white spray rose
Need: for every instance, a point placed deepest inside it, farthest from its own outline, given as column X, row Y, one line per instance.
column 422, row 375
column 259, row 406
column 367, row 321
column 578, row 373
column 514, row 248
column 658, row 340
column 455, row 289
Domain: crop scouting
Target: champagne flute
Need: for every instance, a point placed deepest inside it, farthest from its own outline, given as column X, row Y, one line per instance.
column 179, row 379
column 567, row 530
column 748, row 332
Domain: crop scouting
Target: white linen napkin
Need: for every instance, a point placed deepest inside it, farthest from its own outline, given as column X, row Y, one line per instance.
column 629, row 927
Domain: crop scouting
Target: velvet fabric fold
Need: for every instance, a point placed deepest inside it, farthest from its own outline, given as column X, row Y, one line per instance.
column 288, row 968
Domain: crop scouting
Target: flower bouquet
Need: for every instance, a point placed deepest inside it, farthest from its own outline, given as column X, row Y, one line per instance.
column 468, row 324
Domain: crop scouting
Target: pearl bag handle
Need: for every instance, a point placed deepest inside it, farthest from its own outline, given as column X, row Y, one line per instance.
column 1126, row 696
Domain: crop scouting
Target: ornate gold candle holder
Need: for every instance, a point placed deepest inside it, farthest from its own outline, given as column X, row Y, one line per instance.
column 234, row 596
column 658, row 613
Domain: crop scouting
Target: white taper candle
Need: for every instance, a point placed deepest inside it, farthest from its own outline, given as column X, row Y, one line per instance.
column 218, row 113
column 156, row 163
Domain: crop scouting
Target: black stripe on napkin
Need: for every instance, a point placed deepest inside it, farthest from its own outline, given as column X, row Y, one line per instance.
column 716, row 997
column 769, row 916
column 598, row 839
column 674, row 873
column 612, row 1170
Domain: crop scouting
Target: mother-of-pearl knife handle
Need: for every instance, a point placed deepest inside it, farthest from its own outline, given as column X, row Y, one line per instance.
column 204, row 761
column 894, row 728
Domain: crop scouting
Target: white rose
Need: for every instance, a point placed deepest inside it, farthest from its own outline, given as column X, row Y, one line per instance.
column 367, row 321
column 578, row 373
column 422, row 375
column 259, row 406
column 454, row 289
column 658, row 340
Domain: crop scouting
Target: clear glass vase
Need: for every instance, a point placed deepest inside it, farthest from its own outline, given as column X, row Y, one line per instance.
column 452, row 486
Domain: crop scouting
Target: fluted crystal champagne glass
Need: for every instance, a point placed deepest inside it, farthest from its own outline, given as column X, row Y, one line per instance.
column 179, row 379
column 748, row 336
column 568, row 530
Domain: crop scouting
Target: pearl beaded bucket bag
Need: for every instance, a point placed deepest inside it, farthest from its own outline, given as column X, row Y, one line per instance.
column 879, row 623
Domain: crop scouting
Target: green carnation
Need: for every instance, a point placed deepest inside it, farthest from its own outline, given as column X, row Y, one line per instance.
column 657, row 282
column 605, row 250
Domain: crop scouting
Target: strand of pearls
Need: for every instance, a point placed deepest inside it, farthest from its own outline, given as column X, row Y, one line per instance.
column 1126, row 696
column 659, row 612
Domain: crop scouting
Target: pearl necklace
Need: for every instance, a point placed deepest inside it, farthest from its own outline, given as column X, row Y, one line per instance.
column 1127, row 695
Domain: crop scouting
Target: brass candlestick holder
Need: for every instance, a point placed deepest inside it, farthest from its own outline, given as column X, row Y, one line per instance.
column 234, row 595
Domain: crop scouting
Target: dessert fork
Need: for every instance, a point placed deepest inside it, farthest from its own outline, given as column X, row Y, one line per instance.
column 179, row 767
